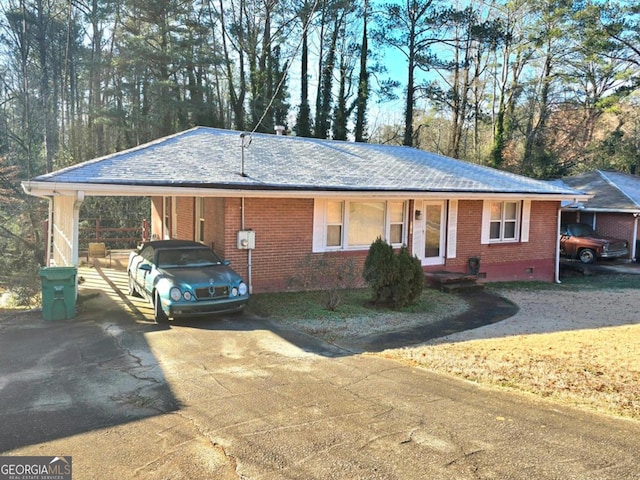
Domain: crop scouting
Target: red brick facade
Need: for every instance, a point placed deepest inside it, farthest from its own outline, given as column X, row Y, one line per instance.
column 284, row 235
column 617, row 225
column 532, row 260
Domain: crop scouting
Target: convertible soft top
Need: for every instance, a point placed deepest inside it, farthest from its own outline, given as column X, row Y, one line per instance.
column 174, row 244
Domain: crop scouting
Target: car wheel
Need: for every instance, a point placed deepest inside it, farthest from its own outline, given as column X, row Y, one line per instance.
column 158, row 314
column 587, row 256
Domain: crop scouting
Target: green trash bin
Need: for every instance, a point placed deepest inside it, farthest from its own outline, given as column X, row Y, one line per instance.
column 58, row 292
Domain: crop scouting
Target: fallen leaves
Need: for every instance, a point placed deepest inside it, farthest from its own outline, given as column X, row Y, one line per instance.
column 567, row 356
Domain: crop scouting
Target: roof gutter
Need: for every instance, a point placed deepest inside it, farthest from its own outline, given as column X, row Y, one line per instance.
column 49, row 189
column 586, row 208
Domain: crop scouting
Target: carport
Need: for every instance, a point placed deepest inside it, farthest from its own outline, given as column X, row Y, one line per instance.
column 63, row 247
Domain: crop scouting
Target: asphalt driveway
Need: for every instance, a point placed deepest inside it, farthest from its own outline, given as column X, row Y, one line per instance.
column 239, row 397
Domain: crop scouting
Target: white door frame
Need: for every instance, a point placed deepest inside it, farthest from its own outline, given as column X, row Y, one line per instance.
column 420, row 228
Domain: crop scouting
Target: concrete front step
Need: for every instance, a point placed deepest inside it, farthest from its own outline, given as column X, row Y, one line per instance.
column 452, row 281
column 460, row 287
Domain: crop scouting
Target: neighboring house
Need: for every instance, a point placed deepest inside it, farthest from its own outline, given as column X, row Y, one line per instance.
column 614, row 207
column 268, row 202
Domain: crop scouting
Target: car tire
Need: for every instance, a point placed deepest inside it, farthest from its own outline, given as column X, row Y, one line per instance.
column 158, row 314
column 587, row 255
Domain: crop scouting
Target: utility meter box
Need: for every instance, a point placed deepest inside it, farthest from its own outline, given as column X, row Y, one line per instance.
column 246, row 239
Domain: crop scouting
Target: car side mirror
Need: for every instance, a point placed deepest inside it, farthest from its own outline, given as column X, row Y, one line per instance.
column 227, row 262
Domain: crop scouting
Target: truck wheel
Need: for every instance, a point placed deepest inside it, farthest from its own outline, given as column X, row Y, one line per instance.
column 587, row 256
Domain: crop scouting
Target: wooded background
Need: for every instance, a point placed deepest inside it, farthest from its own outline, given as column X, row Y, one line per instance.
column 543, row 88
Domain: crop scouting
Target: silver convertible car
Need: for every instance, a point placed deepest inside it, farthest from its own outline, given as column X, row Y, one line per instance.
column 181, row 278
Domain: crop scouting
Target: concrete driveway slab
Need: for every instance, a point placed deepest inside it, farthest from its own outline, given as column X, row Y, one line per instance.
column 243, row 398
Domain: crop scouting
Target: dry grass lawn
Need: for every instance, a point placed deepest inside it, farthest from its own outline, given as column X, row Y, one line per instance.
column 580, row 348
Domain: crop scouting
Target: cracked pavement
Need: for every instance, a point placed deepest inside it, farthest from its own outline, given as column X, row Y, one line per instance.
column 242, row 398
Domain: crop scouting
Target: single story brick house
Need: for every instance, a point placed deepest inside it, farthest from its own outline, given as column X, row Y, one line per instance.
column 614, row 206
column 267, row 202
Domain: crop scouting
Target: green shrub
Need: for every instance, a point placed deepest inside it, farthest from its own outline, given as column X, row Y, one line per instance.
column 380, row 271
column 397, row 280
column 410, row 279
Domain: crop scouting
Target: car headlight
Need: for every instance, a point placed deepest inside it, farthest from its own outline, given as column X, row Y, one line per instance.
column 175, row 294
column 234, row 292
column 242, row 288
column 187, row 296
column 605, row 247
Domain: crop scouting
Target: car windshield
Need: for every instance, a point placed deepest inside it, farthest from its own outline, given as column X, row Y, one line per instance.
column 581, row 230
column 187, row 257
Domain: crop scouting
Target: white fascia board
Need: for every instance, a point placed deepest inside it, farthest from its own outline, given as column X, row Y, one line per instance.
column 585, row 208
column 50, row 189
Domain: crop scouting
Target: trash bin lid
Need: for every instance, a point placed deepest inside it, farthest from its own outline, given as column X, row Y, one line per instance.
column 58, row 273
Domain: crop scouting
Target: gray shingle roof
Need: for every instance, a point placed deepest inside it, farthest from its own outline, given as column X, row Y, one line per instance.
column 208, row 157
column 610, row 190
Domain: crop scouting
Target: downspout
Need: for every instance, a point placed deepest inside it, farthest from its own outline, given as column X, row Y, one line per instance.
column 634, row 253
column 559, row 224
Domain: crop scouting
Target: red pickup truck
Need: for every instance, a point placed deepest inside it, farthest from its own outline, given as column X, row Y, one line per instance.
column 578, row 240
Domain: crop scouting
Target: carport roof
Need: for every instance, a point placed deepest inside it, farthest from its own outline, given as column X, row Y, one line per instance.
column 209, row 158
column 611, row 191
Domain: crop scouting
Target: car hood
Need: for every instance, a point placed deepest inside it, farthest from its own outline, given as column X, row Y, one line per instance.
column 601, row 239
column 218, row 275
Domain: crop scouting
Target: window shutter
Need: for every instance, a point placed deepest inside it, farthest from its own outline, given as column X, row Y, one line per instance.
column 415, row 229
column 452, row 235
column 319, row 221
column 486, row 222
column 526, row 215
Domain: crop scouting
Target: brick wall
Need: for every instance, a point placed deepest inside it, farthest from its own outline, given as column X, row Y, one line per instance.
column 617, row 225
column 532, row 260
column 185, row 227
column 284, row 229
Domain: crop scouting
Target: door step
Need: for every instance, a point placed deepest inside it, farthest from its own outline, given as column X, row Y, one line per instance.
column 460, row 287
column 452, row 282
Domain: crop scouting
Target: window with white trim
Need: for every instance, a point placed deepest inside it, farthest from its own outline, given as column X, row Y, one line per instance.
column 166, row 226
column 199, row 216
column 355, row 224
column 396, row 222
column 335, row 216
column 366, row 223
column 505, row 221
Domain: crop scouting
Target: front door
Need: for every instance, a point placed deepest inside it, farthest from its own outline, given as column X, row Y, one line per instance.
column 431, row 226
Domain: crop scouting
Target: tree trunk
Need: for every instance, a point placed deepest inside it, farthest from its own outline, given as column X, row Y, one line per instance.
column 363, row 83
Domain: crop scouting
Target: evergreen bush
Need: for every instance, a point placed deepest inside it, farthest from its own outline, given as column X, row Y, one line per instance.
column 397, row 280
column 410, row 279
column 380, row 271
